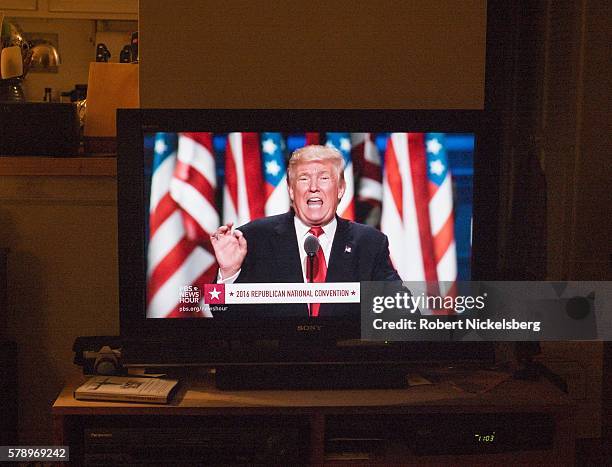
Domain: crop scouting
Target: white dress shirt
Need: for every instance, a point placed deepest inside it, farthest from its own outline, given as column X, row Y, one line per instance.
column 325, row 240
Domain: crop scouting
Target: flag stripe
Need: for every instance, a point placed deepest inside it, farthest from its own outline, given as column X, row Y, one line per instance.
column 371, row 171
column 371, row 156
column 447, row 266
column 242, row 189
column 346, row 207
column 421, row 196
column 254, row 181
column 444, row 239
column 168, row 266
column 189, row 174
column 395, row 183
column 164, row 240
column 193, row 230
column 312, row 138
column 231, row 184
column 440, row 205
column 165, row 208
column 198, row 207
column 370, row 190
column 358, row 139
column 196, row 153
column 160, row 181
column 230, row 213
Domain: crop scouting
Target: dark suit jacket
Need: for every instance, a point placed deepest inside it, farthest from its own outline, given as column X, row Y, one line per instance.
column 273, row 256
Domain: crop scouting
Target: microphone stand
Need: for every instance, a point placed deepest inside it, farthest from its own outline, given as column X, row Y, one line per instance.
column 311, row 274
column 311, row 268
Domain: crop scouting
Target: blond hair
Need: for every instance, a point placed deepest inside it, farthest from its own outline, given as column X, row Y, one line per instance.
column 316, row 152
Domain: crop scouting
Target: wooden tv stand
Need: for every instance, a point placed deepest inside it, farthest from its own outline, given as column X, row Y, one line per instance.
column 338, row 414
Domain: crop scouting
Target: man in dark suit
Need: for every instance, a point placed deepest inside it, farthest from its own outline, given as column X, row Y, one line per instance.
column 272, row 249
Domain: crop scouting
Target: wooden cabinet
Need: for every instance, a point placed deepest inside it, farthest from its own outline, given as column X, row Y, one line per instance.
column 430, row 424
column 71, row 9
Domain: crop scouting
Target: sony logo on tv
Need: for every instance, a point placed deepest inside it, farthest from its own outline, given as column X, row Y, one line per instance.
column 309, row 327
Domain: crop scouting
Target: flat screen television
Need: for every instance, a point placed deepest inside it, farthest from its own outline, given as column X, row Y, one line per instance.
column 184, row 172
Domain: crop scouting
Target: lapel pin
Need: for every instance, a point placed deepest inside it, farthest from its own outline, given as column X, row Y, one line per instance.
column 347, row 249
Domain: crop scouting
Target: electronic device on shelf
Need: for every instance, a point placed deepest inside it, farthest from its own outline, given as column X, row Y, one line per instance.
column 149, row 262
column 245, row 440
column 463, row 433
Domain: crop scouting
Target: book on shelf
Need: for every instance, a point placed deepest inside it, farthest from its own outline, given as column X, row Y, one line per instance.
column 127, row 389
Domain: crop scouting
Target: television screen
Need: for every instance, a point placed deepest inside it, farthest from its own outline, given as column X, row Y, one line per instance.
column 242, row 226
column 414, row 187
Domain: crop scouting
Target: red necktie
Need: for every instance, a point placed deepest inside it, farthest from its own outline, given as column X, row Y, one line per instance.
column 319, row 269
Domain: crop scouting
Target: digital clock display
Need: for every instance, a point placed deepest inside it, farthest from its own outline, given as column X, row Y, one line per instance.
column 485, row 438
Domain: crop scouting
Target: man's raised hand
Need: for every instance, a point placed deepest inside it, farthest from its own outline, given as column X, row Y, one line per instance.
column 230, row 249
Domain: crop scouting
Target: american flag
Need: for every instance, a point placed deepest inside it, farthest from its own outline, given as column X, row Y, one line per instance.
column 243, row 195
column 275, row 176
column 368, row 170
column 342, row 142
column 441, row 212
column 182, row 215
column 417, row 212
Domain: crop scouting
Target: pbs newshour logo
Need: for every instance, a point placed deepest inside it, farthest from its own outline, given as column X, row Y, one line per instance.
column 190, row 295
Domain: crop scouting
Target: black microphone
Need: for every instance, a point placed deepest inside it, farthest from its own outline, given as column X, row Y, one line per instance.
column 311, row 246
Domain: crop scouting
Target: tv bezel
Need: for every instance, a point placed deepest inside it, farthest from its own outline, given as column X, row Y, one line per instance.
column 133, row 124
